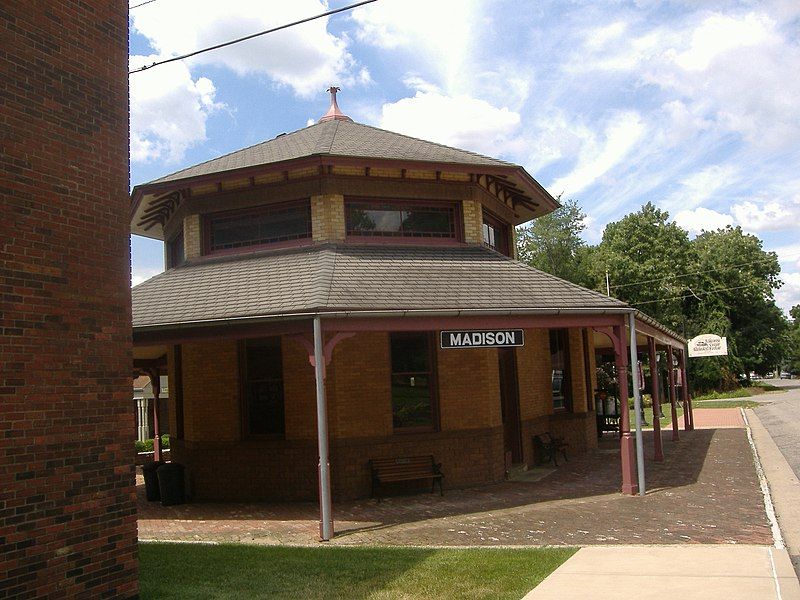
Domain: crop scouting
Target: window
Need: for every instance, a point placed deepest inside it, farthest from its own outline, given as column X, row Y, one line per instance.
column 495, row 234
column 263, row 387
column 559, row 359
column 267, row 225
column 413, row 382
column 401, row 220
column 175, row 251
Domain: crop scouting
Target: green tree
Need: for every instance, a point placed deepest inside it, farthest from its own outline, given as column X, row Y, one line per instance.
column 735, row 279
column 641, row 253
column 553, row 243
column 792, row 359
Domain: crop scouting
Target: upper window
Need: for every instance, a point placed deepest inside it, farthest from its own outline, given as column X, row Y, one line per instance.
column 559, row 360
column 495, row 234
column 266, row 225
column 413, row 394
column 263, row 387
column 175, row 251
column 400, row 220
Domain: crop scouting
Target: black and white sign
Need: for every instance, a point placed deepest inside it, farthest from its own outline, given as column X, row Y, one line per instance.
column 494, row 338
column 708, row 345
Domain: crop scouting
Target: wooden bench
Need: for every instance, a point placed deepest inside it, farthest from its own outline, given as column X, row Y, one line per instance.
column 546, row 448
column 411, row 468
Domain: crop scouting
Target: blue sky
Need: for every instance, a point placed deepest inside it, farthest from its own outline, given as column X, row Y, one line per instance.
column 691, row 105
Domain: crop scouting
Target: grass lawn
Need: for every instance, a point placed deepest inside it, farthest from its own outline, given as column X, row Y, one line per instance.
column 237, row 571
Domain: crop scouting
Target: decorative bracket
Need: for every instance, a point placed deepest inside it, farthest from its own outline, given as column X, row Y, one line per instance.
column 327, row 349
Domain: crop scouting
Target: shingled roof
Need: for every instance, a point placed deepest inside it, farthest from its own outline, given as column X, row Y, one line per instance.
column 326, row 278
column 337, row 139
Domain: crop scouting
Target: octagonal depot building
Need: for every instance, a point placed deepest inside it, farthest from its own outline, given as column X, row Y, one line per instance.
column 385, row 241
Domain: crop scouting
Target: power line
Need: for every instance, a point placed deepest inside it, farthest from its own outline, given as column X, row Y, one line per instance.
column 622, row 285
column 140, row 4
column 738, row 287
column 251, row 36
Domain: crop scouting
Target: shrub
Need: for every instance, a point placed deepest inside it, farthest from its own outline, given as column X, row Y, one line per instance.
column 147, row 445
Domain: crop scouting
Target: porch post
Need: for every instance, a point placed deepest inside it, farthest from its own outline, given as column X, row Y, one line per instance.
column 325, row 522
column 658, row 453
column 626, row 442
column 637, row 404
column 673, row 406
column 155, row 383
column 688, row 414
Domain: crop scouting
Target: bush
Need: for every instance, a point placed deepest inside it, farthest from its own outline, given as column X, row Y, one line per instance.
column 147, row 445
column 740, row 393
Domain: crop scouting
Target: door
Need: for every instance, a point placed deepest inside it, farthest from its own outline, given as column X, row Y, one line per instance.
column 509, row 402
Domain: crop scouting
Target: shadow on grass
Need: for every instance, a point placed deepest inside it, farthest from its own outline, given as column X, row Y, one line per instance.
column 188, row 571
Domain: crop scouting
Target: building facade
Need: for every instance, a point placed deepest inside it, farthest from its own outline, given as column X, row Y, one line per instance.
column 356, row 247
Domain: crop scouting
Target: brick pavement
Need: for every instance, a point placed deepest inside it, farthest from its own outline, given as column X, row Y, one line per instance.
column 713, row 418
column 706, row 491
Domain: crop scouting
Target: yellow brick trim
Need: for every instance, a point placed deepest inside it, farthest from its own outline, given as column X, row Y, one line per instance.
column 191, row 236
column 473, row 221
column 327, row 218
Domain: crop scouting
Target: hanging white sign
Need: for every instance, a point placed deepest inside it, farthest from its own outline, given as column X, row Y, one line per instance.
column 708, row 345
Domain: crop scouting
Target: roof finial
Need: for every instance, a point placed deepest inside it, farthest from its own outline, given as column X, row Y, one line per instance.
column 334, row 114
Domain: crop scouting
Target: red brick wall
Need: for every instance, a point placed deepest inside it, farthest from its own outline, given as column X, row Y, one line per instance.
column 67, row 512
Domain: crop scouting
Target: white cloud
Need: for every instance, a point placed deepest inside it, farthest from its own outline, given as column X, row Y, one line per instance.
column 773, row 215
column 140, row 275
column 697, row 188
column 305, row 57
column 702, row 219
column 788, row 295
column 169, row 110
column 460, row 121
column 596, row 158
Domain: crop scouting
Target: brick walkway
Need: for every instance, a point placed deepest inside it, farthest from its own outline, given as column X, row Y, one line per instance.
column 706, row 491
column 713, row 418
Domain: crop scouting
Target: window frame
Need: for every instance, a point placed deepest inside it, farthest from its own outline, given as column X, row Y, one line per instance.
column 566, row 381
column 433, row 380
column 209, row 218
column 177, row 240
column 502, row 227
column 372, row 203
column 244, row 389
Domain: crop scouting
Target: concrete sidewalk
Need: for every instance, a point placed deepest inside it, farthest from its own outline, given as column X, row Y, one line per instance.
column 704, row 572
column 685, row 572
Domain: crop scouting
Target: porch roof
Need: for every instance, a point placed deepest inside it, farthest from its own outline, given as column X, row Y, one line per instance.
column 334, row 278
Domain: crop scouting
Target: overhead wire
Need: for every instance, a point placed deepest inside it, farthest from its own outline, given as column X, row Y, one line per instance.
column 642, row 282
column 695, row 294
column 251, row 36
column 140, row 4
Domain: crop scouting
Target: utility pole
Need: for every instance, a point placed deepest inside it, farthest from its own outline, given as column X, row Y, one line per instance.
column 608, row 285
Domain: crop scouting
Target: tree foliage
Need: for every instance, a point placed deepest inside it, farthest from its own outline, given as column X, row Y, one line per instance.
column 553, row 243
column 721, row 282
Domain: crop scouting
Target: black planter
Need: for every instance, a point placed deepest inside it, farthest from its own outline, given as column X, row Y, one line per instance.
column 170, row 484
column 151, row 480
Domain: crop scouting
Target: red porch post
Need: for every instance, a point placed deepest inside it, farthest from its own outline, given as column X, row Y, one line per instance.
column 626, row 448
column 658, row 450
column 155, row 383
column 688, row 414
column 672, row 402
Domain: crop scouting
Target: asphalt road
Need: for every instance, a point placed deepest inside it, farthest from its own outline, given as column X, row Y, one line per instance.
column 780, row 414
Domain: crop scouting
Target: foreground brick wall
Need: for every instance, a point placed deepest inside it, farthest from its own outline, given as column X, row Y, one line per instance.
column 67, row 513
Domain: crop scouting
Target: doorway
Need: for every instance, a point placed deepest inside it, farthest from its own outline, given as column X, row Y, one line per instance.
column 509, row 403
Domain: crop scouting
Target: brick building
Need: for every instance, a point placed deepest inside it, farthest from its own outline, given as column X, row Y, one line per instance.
column 67, row 511
column 356, row 247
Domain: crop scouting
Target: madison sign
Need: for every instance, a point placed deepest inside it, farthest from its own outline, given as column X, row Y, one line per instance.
column 708, row 345
column 495, row 338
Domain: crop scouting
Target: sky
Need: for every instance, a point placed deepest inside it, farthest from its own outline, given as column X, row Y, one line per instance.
column 690, row 105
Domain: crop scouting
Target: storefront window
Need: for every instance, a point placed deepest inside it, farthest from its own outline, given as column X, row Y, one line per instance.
column 559, row 360
column 267, row 225
column 263, row 387
column 413, row 382
column 400, row 220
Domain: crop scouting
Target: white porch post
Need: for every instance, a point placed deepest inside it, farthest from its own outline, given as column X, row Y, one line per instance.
column 326, row 522
column 637, row 404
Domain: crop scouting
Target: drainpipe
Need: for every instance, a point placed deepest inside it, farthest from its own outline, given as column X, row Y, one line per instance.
column 637, row 404
column 325, row 522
